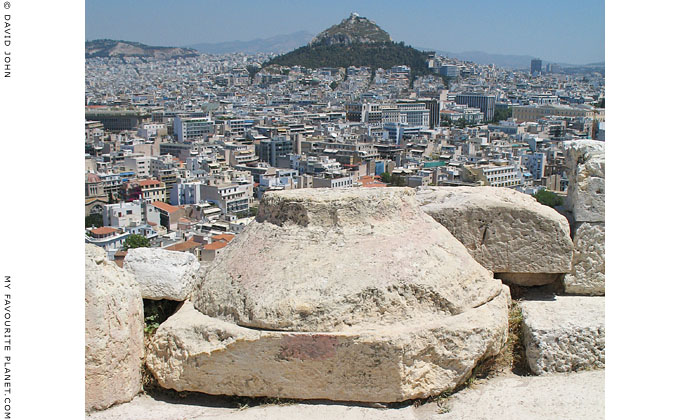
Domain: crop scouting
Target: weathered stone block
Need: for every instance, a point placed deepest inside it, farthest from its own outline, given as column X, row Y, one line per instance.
column 350, row 294
column 114, row 332
column 589, row 263
column 395, row 362
column 565, row 334
column 163, row 274
column 504, row 230
column 585, row 162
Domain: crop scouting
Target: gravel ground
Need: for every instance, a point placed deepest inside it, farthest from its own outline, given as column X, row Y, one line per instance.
column 510, row 397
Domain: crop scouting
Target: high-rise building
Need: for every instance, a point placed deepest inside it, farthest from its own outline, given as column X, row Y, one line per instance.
column 486, row 103
column 269, row 150
column 535, row 68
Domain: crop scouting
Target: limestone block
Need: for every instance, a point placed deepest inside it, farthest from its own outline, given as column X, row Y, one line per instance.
column 504, row 230
column 589, row 263
column 114, row 332
column 585, row 162
column 395, row 362
column 325, row 259
column 565, row 334
column 163, row 274
column 341, row 294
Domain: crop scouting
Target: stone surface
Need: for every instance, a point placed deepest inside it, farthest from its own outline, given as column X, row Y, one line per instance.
column 163, row 274
column 585, row 163
column 568, row 396
column 114, row 332
column 395, row 362
column 529, row 279
column 327, row 260
column 564, row 334
column 589, row 262
column 504, row 230
column 341, row 294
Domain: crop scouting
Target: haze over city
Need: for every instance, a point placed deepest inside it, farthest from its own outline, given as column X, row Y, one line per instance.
column 561, row 32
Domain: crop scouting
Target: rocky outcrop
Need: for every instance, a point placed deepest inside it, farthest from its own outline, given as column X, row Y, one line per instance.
column 585, row 161
column 163, row 274
column 565, row 334
column 506, row 231
column 114, row 332
column 354, row 29
column 350, row 294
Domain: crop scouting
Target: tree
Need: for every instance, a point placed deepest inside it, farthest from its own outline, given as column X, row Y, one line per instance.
column 501, row 114
column 136, row 241
column 95, row 220
column 548, row 198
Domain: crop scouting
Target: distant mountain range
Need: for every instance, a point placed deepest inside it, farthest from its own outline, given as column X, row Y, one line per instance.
column 275, row 44
column 508, row 60
column 346, row 32
column 112, row 48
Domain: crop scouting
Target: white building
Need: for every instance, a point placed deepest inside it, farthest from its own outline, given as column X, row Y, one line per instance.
column 192, row 128
column 344, row 182
column 140, row 165
column 151, row 130
column 122, row 214
column 185, row 193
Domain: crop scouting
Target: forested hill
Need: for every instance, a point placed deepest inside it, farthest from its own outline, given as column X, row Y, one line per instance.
column 356, row 41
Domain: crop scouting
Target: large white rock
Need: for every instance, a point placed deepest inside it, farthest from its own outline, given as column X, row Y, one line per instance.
column 327, row 259
column 350, row 294
column 565, row 334
column 585, row 163
column 589, row 263
column 163, row 274
column 392, row 362
column 114, row 332
column 508, row 232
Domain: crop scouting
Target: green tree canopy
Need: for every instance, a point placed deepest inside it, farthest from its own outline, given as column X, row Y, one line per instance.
column 548, row 198
column 95, row 220
column 136, row 241
column 501, row 114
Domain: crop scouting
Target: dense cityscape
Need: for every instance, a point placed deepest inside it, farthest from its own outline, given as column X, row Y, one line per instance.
column 179, row 150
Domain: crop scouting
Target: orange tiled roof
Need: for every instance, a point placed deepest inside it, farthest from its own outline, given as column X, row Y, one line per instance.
column 227, row 237
column 216, row 245
column 147, row 182
column 184, row 246
column 103, row 230
column 165, row 206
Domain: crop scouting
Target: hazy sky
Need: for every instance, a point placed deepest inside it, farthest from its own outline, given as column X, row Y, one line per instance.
column 569, row 31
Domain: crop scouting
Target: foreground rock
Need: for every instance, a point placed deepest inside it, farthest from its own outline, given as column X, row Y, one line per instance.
column 162, row 274
column 194, row 352
column 506, row 231
column 589, row 264
column 585, row 162
column 367, row 299
column 571, row 396
column 114, row 332
column 565, row 334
